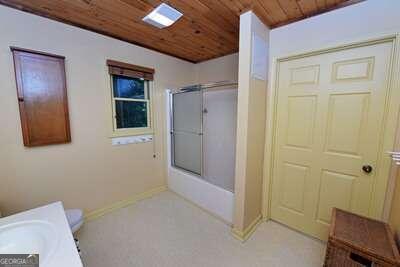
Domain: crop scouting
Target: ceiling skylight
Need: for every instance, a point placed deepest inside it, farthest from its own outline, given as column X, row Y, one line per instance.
column 163, row 16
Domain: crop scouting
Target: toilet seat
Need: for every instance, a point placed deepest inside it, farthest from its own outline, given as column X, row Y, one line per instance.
column 75, row 219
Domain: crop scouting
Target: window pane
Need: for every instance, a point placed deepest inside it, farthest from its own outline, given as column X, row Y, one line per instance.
column 131, row 114
column 126, row 87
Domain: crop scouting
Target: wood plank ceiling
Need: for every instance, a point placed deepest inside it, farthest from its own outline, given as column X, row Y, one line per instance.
column 208, row 28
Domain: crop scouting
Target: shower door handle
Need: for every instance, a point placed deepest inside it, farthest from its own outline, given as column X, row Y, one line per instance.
column 172, row 132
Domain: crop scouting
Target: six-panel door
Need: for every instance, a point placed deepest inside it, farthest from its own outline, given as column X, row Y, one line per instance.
column 330, row 115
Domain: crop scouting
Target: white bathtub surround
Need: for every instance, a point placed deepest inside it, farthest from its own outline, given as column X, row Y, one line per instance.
column 212, row 198
column 44, row 231
column 213, row 191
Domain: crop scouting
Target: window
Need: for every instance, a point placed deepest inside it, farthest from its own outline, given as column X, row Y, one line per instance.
column 131, row 102
column 131, row 99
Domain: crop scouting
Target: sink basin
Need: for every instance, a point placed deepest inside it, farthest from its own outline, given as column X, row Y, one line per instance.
column 29, row 237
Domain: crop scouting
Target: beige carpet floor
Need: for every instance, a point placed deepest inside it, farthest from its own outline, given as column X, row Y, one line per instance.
column 167, row 230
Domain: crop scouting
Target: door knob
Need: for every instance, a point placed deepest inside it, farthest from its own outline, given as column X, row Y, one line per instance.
column 367, row 168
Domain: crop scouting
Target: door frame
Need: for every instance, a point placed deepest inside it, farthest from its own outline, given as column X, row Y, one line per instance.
column 383, row 189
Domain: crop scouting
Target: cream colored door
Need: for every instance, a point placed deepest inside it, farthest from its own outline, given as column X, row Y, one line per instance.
column 329, row 124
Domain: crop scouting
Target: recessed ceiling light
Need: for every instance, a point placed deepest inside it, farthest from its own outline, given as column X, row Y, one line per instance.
column 163, row 16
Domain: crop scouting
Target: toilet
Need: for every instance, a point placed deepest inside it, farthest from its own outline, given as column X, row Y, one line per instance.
column 75, row 219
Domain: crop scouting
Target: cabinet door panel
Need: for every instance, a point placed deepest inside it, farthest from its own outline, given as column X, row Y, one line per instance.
column 42, row 97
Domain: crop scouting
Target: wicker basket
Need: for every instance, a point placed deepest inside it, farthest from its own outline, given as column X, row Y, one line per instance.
column 356, row 241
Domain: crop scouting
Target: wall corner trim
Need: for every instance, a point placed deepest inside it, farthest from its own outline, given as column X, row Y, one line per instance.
column 93, row 215
column 246, row 233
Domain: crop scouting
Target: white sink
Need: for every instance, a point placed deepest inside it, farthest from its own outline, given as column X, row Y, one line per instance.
column 29, row 237
column 44, row 230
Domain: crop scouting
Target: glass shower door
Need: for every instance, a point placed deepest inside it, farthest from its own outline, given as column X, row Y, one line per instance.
column 187, row 116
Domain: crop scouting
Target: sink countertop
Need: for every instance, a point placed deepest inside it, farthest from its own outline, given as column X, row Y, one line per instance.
column 65, row 254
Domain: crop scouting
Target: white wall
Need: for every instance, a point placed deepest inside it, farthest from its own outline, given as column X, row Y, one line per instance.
column 351, row 23
column 250, row 128
column 88, row 173
column 219, row 69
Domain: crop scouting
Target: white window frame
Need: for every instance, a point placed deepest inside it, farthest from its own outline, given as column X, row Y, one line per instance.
column 118, row 132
